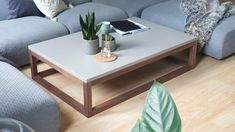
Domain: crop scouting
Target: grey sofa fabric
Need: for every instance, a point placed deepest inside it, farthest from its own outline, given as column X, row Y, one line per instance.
column 12, row 125
column 23, row 100
column 17, row 34
column 167, row 14
column 222, row 42
column 76, row 2
column 4, row 12
column 2, row 59
column 70, row 18
column 131, row 7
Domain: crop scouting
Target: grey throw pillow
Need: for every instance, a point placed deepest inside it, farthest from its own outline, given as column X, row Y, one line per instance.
column 21, row 8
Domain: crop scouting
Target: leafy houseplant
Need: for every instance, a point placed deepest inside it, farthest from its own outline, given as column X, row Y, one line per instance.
column 89, row 32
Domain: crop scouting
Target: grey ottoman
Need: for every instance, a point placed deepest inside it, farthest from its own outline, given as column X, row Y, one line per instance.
column 23, row 100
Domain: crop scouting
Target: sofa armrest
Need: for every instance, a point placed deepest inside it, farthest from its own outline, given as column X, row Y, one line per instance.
column 23, row 100
column 222, row 42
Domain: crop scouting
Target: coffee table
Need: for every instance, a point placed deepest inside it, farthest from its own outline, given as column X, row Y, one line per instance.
column 65, row 55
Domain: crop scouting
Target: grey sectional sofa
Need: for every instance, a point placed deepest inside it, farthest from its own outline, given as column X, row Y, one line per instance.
column 23, row 100
column 17, row 34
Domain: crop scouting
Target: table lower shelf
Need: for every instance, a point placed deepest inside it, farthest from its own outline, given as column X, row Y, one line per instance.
column 109, row 89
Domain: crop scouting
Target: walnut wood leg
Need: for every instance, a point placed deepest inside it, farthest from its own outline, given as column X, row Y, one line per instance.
column 192, row 56
column 87, row 99
column 33, row 65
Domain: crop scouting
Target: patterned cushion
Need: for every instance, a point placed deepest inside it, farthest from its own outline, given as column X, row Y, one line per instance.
column 51, row 8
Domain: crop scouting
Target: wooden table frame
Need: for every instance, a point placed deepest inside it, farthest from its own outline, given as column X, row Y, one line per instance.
column 87, row 109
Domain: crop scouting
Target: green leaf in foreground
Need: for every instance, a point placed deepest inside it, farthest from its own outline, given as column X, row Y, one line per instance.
column 160, row 113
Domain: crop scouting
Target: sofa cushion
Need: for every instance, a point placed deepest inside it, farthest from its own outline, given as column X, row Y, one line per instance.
column 76, row 2
column 70, row 18
column 17, row 34
column 4, row 12
column 132, row 8
column 23, row 100
column 21, row 8
column 166, row 13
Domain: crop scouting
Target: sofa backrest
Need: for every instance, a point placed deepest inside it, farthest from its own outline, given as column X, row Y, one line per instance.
column 131, row 7
column 76, row 2
column 4, row 12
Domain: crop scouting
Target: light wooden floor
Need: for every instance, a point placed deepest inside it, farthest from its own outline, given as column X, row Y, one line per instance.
column 205, row 98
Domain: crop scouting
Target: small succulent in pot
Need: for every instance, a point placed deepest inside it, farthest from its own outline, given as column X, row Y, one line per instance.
column 89, row 29
column 109, row 42
column 107, row 37
column 89, row 32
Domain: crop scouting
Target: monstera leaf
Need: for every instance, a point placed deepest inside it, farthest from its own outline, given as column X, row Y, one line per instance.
column 160, row 113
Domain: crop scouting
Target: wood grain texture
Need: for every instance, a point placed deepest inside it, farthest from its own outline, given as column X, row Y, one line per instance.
column 205, row 98
column 227, row 0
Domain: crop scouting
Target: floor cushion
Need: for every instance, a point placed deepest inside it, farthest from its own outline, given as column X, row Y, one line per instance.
column 70, row 18
column 22, row 99
column 17, row 34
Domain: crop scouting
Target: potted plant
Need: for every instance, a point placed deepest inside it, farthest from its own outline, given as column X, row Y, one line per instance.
column 109, row 42
column 89, row 31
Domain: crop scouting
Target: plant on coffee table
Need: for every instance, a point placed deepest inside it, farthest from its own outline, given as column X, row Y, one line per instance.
column 109, row 41
column 89, row 32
